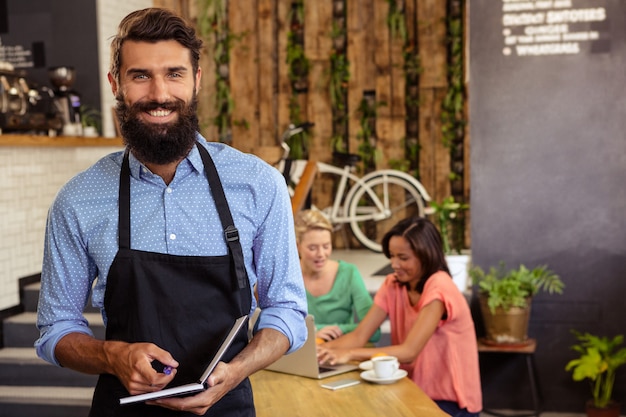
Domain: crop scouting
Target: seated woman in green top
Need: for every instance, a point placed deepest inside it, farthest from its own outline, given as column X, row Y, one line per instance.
column 335, row 290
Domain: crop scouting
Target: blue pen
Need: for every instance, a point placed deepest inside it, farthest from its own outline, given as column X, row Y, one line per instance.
column 167, row 370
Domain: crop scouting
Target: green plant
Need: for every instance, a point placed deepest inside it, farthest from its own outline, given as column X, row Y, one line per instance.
column 367, row 150
column 598, row 361
column 90, row 117
column 338, row 78
column 453, row 105
column 213, row 28
column 396, row 20
column 298, row 71
column 513, row 288
column 447, row 218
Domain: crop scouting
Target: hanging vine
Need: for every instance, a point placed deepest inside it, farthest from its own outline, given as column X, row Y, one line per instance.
column 298, row 72
column 397, row 24
column 453, row 109
column 367, row 134
column 213, row 27
column 453, row 106
column 339, row 75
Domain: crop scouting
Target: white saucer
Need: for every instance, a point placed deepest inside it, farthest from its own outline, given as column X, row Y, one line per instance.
column 366, row 366
column 371, row 377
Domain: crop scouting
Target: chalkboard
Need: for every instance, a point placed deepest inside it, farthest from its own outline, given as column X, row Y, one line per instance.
column 548, row 172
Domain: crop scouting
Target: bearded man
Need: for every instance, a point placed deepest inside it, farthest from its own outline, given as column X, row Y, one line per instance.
column 169, row 238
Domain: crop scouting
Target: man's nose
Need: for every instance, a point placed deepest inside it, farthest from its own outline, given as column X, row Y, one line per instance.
column 158, row 90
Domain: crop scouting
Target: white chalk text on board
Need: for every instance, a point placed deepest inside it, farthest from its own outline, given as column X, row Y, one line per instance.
column 533, row 28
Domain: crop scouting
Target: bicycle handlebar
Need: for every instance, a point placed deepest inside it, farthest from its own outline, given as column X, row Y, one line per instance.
column 293, row 130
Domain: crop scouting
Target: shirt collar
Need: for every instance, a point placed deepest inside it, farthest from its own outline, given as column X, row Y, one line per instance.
column 192, row 159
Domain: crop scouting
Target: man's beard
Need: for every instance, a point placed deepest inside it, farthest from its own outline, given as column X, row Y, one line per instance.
column 158, row 143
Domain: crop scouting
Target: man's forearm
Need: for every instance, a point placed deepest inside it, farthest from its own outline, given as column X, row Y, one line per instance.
column 266, row 346
column 84, row 353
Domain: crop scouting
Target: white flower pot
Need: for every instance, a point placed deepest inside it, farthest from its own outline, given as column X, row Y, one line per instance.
column 459, row 265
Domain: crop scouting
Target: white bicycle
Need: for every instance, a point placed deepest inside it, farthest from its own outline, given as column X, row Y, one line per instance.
column 371, row 204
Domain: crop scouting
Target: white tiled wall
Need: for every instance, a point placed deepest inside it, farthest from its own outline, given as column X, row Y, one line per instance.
column 110, row 12
column 31, row 178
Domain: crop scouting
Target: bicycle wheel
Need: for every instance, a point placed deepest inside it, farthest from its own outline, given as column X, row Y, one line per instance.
column 379, row 204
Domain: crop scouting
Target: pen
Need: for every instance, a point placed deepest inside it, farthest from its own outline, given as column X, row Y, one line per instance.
column 167, row 370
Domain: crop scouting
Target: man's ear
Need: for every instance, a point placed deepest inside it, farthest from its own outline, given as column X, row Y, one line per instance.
column 198, row 78
column 114, row 86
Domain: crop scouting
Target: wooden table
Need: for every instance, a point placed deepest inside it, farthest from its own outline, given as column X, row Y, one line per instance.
column 282, row 395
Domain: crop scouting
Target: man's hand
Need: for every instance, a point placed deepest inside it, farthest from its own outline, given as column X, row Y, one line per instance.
column 266, row 346
column 221, row 381
column 130, row 362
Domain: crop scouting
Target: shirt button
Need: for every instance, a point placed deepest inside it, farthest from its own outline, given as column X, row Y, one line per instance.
column 168, row 190
column 172, row 236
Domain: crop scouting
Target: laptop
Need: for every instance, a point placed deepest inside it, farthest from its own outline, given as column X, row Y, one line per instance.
column 303, row 362
column 194, row 386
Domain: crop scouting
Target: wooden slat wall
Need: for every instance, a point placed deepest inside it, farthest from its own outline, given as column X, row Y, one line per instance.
column 261, row 89
column 434, row 157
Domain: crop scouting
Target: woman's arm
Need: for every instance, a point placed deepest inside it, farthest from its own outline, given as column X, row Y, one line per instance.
column 349, row 346
column 345, row 348
column 362, row 302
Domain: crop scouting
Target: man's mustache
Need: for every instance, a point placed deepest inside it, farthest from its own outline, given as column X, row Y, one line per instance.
column 154, row 105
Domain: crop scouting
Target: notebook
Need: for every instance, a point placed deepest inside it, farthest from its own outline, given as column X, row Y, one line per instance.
column 195, row 386
column 303, row 362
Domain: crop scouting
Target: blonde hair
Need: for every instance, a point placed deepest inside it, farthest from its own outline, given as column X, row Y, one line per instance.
column 310, row 220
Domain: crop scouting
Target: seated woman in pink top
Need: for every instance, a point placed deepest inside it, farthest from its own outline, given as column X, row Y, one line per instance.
column 432, row 331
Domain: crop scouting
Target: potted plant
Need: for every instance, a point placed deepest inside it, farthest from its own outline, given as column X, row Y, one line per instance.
column 598, row 361
column 91, row 121
column 447, row 217
column 505, row 298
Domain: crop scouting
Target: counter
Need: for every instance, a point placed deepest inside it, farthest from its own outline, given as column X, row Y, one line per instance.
column 19, row 140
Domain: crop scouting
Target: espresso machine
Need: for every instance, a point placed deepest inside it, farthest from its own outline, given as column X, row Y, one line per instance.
column 25, row 107
column 66, row 100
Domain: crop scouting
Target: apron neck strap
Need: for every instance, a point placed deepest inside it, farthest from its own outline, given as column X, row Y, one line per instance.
column 231, row 234
column 124, row 204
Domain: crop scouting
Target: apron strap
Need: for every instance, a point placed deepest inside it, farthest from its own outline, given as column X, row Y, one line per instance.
column 231, row 233
column 124, row 204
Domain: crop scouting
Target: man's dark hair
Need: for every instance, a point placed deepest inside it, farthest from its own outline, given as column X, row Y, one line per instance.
column 153, row 25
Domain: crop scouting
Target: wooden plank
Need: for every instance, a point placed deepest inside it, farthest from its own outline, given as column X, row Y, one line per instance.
column 318, row 22
column 267, row 73
column 355, row 53
column 434, row 156
column 318, row 47
column 391, row 131
column 284, row 89
column 431, row 37
column 382, row 62
column 243, row 70
column 206, row 96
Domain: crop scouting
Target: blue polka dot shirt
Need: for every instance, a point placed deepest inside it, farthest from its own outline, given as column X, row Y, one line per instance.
column 81, row 237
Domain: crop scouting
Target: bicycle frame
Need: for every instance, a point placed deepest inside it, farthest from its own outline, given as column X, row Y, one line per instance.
column 369, row 204
column 337, row 213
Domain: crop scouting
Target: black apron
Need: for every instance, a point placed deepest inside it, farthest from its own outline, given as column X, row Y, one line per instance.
column 183, row 304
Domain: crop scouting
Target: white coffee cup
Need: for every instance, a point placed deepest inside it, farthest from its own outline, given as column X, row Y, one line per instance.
column 385, row 366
